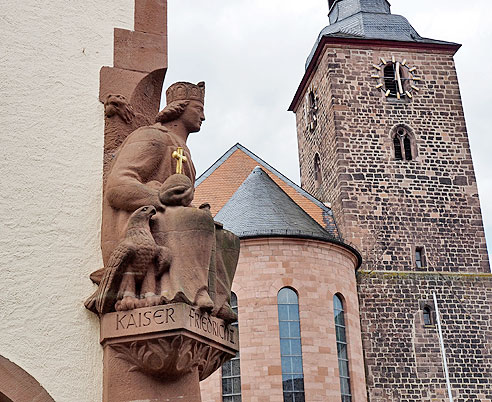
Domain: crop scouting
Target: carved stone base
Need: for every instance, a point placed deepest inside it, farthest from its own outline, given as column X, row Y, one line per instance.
column 161, row 353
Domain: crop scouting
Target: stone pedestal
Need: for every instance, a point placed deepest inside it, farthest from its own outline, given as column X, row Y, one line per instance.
column 161, row 353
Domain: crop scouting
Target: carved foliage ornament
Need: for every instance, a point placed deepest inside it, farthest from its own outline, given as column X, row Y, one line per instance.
column 171, row 356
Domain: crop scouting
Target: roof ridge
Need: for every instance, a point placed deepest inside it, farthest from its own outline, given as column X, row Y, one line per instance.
column 252, row 155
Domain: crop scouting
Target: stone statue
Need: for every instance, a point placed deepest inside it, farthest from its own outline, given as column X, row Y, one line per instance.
column 194, row 258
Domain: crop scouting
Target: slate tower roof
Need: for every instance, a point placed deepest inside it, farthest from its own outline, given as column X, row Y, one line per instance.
column 368, row 19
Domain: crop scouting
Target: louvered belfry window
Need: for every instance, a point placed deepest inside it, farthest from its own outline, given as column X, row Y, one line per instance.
column 389, row 80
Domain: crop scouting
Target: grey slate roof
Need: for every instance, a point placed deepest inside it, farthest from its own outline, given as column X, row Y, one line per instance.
column 328, row 217
column 261, row 208
column 369, row 19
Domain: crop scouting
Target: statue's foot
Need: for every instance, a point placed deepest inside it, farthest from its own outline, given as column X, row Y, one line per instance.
column 127, row 303
column 203, row 301
column 227, row 314
column 149, row 301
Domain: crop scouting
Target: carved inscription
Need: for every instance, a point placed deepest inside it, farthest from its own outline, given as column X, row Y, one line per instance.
column 170, row 317
column 210, row 325
column 144, row 319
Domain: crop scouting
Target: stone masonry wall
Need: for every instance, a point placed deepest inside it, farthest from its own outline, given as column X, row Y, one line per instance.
column 387, row 207
column 402, row 356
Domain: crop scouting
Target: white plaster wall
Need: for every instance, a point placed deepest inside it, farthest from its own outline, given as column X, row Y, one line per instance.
column 51, row 151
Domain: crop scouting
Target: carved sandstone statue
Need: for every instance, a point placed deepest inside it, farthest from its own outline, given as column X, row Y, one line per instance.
column 203, row 256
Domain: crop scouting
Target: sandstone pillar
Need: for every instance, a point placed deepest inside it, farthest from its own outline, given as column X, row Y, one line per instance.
column 161, row 353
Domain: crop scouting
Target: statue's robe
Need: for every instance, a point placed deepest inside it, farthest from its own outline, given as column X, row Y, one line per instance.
column 144, row 161
column 204, row 256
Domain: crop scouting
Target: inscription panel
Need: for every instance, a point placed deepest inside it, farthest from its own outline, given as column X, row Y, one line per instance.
column 167, row 318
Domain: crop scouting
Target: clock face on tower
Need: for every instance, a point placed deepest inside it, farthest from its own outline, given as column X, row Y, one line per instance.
column 397, row 79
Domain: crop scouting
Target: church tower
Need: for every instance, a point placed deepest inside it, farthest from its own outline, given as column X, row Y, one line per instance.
column 382, row 138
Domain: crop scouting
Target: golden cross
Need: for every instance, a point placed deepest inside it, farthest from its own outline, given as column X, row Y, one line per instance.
column 178, row 154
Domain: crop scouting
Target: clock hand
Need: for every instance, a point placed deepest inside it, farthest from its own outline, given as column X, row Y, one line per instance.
column 398, row 78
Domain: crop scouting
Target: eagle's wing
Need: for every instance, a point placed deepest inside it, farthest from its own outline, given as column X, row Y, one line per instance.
column 110, row 283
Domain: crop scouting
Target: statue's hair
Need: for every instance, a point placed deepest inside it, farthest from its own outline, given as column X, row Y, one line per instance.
column 172, row 111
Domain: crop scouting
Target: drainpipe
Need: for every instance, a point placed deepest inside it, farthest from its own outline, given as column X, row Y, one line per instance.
column 443, row 351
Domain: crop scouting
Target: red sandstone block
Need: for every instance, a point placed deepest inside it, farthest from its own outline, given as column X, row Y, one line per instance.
column 151, row 16
column 272, row 370
column 139, row 51
column 118, row 81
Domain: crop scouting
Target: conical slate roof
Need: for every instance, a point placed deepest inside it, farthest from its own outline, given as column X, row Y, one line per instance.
column 261, row 208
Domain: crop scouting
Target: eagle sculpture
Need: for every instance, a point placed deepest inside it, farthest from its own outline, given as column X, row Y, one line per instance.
column 129, row 280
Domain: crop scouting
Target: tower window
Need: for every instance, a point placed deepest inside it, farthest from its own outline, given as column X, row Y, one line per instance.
column 290, row 345
column 389, row 80
column 312, row 110
column 403, row 144
column 397, row 145
column 231, row 371
column 419, row 257
column 427, row 315
column 396, row 81
column 408, row 148
column 343, row 362
column 317, row 170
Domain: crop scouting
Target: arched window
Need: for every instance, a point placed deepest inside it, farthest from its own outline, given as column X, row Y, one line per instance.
column 290, row 345
column 397, row 145
column 231, row 370
column 403, row 144
column 317, row 171
column 407, row 145
column 343, row 362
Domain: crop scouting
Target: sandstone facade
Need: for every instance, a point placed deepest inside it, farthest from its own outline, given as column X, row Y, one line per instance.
column 316, row 271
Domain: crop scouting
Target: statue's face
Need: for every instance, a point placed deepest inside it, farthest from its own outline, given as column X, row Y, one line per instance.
column 193, row 116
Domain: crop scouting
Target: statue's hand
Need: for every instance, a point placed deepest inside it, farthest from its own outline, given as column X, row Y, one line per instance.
column 156, row 202
column 177, row 190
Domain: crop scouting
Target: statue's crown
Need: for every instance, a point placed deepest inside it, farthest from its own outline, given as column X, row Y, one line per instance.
column 185, row 91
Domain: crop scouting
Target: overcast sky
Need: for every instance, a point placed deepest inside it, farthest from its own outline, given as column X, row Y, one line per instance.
column 251, row 54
